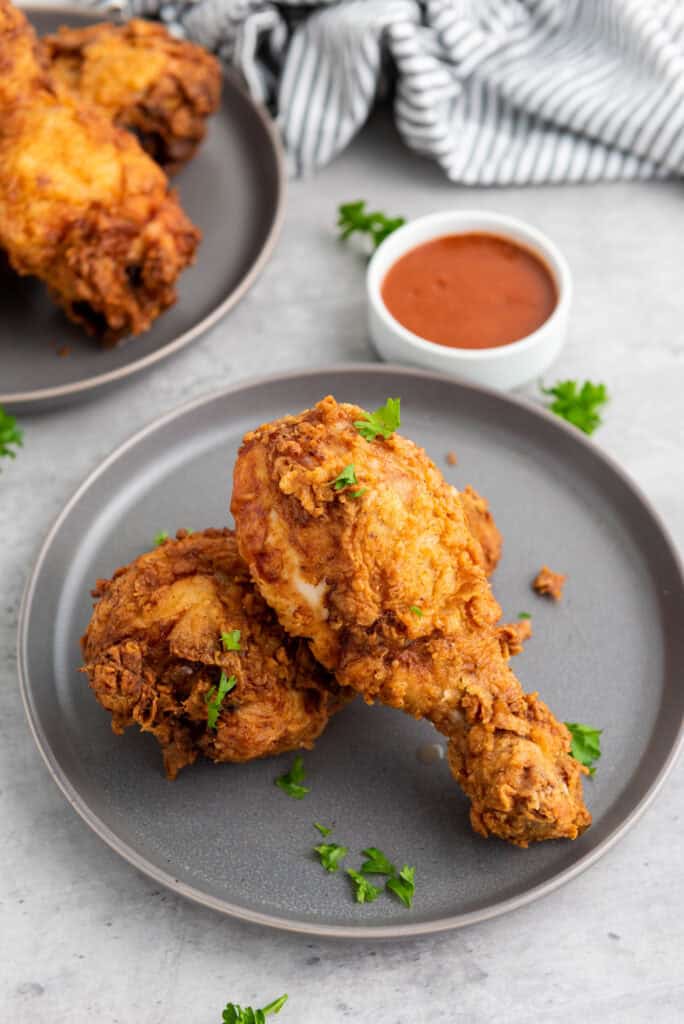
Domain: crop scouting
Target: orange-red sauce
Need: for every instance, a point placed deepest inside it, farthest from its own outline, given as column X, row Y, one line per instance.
column 470, row 291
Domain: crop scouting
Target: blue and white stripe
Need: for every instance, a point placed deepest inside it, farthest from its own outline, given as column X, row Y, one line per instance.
column 499, row 92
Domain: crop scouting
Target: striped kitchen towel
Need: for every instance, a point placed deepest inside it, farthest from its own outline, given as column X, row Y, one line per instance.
column 499, row 92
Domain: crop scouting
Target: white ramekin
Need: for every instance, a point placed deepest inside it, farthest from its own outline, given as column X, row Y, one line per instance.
column 505, row 367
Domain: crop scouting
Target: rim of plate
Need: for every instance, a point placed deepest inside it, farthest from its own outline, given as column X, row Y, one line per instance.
column 399, row 931
column 243, row 286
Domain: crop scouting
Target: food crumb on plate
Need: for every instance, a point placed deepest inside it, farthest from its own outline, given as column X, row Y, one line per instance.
column 452, row 458
column 550, row 583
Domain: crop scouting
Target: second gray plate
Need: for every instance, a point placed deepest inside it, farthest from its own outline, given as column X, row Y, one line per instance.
column 611, row 654
column 233, row 191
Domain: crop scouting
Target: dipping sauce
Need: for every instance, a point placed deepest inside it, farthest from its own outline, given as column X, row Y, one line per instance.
column 470, row 291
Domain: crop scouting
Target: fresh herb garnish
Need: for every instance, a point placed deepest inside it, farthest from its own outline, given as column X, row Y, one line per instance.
column 364, row 892
column 331, row 855
column 353, row 217
column 403, row 885
column 381, row 423
column 10, row 435
column 231, row 640
column 578, row 406
column 586, row 744
column 323, row 829
column 524, row 615
column 347, row 478
column 160, row 538
column 416, row 610
column 290, row 782
column 235, row 1014
column 377, row 863
column 214, row 699
column 358, row 494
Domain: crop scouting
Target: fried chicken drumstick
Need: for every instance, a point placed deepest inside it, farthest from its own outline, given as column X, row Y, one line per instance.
column 82, row 207
column 161, row 88
column 153, row 651
column 385, row 580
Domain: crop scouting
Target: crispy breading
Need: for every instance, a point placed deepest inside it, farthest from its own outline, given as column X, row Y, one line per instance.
column 162, row 88
column 483, row 528
column 514, row 635
column 82, row 207
column 550, row 583
column 346, row 572
column 153, row 651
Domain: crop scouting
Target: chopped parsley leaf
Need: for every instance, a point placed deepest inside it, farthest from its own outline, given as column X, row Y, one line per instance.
column 376, row 862
column 235, row 1014
column 347, row 478
column 10, row 435
column 524, row 615
column 578, row 406
column 290, row 782
column 381, row 423
column 323, row 829
column 352, row 217
column 364, row 892
column 214, row 699
column 586, row 744
column 403, row 885
column 160, row 538
column 331, row 855
column 231, row 640
column 416, row 610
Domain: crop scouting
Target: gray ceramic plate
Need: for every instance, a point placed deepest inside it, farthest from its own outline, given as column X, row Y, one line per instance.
column 233, row 190
column 611, row 654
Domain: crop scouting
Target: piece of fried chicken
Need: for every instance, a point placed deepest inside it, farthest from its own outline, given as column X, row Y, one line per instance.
column 162, row 88
column 385, row 579
column 82, row 207
column 154, row 655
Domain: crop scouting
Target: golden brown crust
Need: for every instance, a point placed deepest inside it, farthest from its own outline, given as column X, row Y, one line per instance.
column 349, row 573
column 82, row 207
column 153, row 650
column 144, row 79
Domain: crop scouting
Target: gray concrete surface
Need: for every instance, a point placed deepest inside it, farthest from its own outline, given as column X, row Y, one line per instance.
column 83, row 937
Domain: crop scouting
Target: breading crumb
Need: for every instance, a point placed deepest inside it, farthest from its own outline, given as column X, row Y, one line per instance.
column 452, row 458
column 548, row 582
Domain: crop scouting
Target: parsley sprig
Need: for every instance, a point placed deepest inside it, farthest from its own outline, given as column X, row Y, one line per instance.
column 291, row 782
column 10, row 435
column 231, row 640
column 578, row 405
column 586, row 744
column 214, row 699
column 235, row 1014
column 353, row 218
column 160, row 538
column 381, row 423
column 331, row 855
